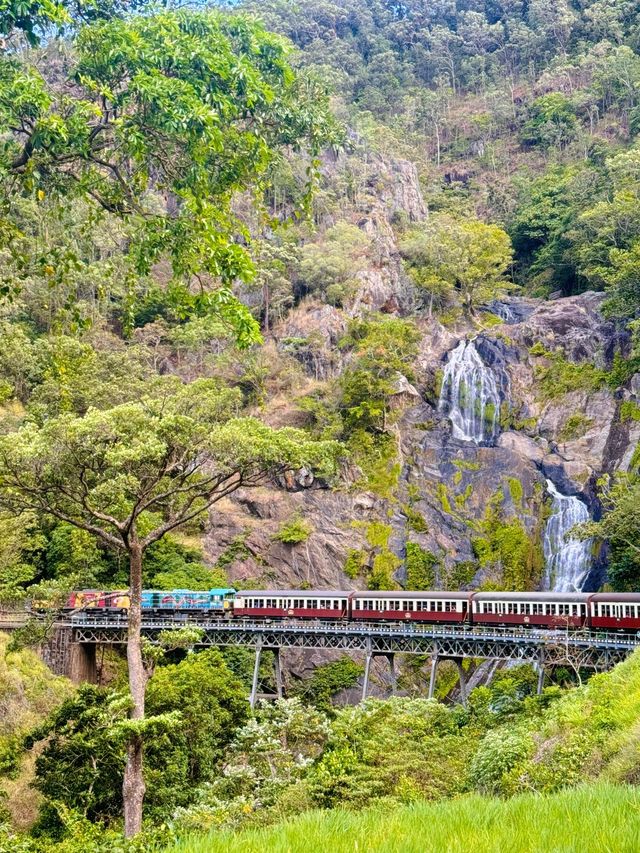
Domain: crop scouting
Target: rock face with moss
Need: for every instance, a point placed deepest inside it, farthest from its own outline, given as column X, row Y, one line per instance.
column 455, row 513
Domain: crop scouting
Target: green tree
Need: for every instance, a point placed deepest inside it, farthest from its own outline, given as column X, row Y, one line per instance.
column 468, row 258
column 162, row 120
column 553, row 122
column 620, row 527
column 382, row 349
column 195, row 707
column 131, row 474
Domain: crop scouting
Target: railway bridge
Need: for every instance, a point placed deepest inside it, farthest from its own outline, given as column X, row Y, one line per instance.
column 80, row 633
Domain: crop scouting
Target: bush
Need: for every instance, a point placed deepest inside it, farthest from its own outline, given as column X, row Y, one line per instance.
column 500, row 755
column 354, row 563
column 420, row 567
column 327, row 680
column 294, row 531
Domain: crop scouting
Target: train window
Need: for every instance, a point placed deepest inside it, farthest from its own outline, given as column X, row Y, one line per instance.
column 511, row 608
column 449, row 606
column 488, row 607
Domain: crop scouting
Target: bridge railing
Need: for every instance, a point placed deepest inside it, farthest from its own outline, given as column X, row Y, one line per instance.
column 583, row 638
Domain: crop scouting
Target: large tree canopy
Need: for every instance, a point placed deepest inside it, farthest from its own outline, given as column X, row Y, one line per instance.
column 162, row 120
column 129, row 475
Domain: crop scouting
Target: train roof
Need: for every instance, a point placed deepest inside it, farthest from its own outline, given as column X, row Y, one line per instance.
column 616, row 596
column 403, row 594
column 581, row 597
column 215, row 591
column 298, row 593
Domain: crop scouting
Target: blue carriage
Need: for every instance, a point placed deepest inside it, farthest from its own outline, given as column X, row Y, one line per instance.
column 188, row 600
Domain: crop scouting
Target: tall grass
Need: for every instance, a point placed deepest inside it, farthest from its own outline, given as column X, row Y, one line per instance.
column 597, row 818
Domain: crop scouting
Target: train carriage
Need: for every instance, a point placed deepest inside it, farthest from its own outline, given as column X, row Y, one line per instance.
column 615, row 611
column 410, row 606
column 530, row 609
column 210, row 601
column 292, row 603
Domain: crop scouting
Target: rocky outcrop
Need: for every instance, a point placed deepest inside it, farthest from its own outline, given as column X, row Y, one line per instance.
column 570, row 437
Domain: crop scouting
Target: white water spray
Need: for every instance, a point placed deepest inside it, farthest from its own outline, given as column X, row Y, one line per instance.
column 567, row 559
column 469, row 396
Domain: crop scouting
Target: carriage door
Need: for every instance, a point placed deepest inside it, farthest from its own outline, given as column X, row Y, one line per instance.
column 617, row 611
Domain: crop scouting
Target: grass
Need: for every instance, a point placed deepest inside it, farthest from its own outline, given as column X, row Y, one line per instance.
column 599, row 818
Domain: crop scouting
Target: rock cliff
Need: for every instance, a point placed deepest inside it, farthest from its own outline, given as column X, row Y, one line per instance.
column 556, row 414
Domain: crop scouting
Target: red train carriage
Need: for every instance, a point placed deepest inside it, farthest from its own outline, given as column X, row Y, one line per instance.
column 613, row 611
column 536, row 609
column 291, row 603
column 411, row 606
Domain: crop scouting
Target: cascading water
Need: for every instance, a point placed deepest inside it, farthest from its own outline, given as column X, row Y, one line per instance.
column 567, row 559
column 470, row 396
column 506, row 313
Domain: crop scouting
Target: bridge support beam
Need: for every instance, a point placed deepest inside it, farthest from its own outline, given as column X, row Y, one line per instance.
column 540, row 667
column 433, row 675
column 392, row 674
column 463, row 681
column 277, row 667
column 253, row 698
column 367, row 669
column 82, row 663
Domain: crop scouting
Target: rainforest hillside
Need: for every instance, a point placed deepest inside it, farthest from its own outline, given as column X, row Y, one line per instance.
column 311, row 295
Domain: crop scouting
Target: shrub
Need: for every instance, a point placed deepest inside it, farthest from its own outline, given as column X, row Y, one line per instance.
column 500, row 754
column 327, row 680
column 294, row 531
column 576, row 425
column 354, row 563
column 420, row 567
column 629, row 411
column 415, row 519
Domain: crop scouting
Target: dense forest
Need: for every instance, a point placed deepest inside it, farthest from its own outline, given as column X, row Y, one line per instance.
column 251, row 256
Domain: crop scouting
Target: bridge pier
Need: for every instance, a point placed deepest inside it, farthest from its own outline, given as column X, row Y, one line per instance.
column 255, row 681
column 253, row 698
column 540, row 667
column 433, row 675
column 367, row 669
column 82, row 663
column 278, row 673
column 392, row 674
column 391, row 658
column 463, row 681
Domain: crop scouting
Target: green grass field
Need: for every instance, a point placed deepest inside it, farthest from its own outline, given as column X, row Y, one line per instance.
column 596, row 818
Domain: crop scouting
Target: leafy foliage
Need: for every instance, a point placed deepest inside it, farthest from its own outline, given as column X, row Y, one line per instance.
column 194, row 708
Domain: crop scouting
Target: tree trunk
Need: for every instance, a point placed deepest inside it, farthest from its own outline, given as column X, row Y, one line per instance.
column 133, row 785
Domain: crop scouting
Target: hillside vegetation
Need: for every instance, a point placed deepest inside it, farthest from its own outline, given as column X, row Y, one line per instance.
column 243, row 249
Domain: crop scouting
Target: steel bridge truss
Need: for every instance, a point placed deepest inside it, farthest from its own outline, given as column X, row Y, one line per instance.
column 541, row 648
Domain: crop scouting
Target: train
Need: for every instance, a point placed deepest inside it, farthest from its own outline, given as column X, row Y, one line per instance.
column 608, row 611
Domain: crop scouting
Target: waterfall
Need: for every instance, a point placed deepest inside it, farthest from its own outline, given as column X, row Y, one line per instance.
column 567, row 559
column 469, row 396
column 506, row 313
